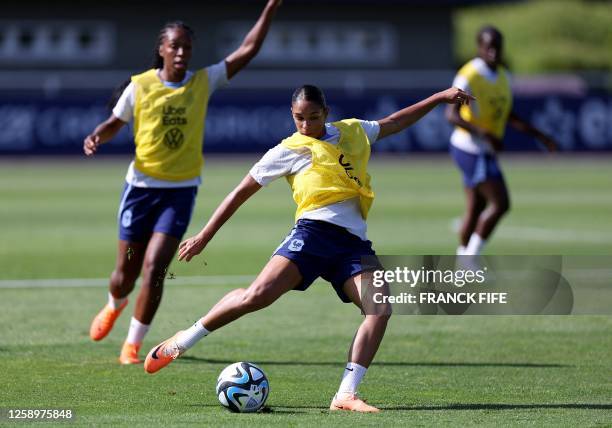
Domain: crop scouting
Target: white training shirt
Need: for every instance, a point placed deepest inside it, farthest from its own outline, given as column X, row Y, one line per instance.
column 124, row 110
column 465, row 140
column 279, row 161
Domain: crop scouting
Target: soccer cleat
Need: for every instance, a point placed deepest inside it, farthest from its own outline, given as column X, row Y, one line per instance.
column 163, row 354
column 352, row 403
column 129, row 353
column 103, row 323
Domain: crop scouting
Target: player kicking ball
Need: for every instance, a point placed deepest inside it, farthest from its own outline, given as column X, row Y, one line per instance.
column 326, row 167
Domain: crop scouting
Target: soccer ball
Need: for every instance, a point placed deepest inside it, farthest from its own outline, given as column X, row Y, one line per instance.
column 242, row 387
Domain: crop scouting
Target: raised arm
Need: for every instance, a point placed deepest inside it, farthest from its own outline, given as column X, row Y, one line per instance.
column 453, row 116
column 404, row 118
column 238, row 59
column 103, row 133
column 194, row 245
column 521, row 125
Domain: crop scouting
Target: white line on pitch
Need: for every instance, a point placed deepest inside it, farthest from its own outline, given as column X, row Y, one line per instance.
column 100, row 282
column 530, row 233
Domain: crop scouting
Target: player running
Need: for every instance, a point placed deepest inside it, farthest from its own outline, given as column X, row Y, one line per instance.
column 168, row 107
column 326, row 167
column 479, row 130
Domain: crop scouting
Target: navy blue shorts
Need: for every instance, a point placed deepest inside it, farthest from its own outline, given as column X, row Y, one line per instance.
column 476, row 169
column 143, row 211
column 321, row 249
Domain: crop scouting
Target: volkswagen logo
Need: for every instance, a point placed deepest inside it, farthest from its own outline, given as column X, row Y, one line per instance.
column 173, row 138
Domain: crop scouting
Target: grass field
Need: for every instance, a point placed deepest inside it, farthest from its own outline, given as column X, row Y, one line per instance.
column 57, row 221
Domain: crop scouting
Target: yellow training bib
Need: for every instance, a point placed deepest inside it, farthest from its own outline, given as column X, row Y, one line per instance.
column 338, row 172
column 493, row 100
column 169, row 126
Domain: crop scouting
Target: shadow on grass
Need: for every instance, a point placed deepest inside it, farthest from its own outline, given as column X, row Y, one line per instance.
column 473, row 406
column 268, row 410
column 500, row 406
column 280, row 409
column 376, row 363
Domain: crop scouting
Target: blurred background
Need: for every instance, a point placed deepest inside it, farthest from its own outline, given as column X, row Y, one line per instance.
column 60, row 63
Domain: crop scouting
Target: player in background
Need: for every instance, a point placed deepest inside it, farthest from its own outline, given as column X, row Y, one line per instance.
column 478, row 134
column 326, row 166
column 168, row 106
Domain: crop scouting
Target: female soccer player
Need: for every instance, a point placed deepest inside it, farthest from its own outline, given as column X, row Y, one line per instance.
column 168, row 106
column 479, row 130
column 326, row 167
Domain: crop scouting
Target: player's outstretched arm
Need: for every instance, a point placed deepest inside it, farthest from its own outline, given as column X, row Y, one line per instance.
column 103, row 133
column 193, row 246
column 521, row 125
column 238, row 59
column 404, row 118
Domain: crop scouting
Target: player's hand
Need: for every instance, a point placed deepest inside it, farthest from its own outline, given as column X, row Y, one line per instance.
column 191, row 248
column 549, row 143
column 90, row 144
column 455, row 96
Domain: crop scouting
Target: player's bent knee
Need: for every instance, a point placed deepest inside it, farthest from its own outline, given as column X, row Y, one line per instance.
column 381, row 319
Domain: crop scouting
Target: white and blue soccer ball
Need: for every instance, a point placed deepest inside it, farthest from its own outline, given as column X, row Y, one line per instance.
column 243, row 387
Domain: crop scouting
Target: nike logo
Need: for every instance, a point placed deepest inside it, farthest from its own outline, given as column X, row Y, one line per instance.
column 154, row 354
column 350, row 370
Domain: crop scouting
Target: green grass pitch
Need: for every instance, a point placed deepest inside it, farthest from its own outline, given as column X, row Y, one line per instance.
column 58, row 221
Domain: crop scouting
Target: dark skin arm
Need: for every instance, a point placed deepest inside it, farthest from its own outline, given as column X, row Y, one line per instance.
column 238, row 59
column 404, row 118
column 521, row 125
column 452, row 115
column 194, row 245
column 103, row 133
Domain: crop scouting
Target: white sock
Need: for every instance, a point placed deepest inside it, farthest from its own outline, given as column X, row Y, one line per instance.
column 475, row 246
column 137, row 331
column 114, row 302
column 191, row 336
column 460, row 250
column 351, row 378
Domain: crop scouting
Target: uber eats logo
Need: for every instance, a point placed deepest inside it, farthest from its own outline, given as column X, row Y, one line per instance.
column 348, row 168
column 173, row 138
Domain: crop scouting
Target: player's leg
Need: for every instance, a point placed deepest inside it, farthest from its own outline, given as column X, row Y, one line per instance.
column 158, row 256
column 168, row 214
column 278, row 276
column 498, row 204
column 363, row 348
column 489, row 182
column 475, row 205
column 473, row 170
column 130, row 256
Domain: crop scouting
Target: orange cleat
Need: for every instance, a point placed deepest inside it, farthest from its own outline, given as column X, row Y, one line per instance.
column 163, row 354
column 352, row 403
column 129, row 353
column 103, row 323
